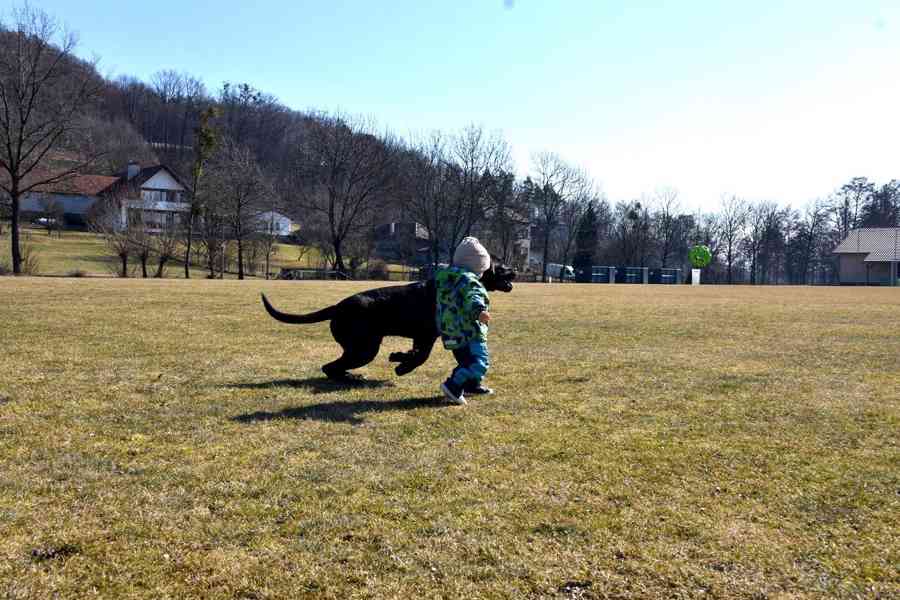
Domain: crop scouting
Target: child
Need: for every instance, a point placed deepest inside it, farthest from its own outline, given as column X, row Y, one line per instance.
column 463, row 317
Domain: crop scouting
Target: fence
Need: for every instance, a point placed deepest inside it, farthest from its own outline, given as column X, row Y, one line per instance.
column 607, row 274
column 326, row 274
column 665, row 276
column 603, row 274
column 599, row 274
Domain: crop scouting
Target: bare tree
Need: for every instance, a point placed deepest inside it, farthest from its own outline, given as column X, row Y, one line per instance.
column 632, row 233
column 428, row 189
column 665, row 223
column 764, row 240
column 584, row 192
column 344, row 173
column 268, row 243
column 212, row 229
column 5, row 209
column 242, row 192
column 140, row 239
column 105, row 219
column 849, row 203
column 477, row 158
column 193, row 97
column 553, row 184
column 507, row 223
column 810, row 232
column 207, row 139
column 732, row 222
column 165, row 246
column 168, row 87
column 43, row 88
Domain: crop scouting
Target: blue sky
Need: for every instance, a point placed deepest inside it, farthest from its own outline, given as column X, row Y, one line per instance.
column 781, row 100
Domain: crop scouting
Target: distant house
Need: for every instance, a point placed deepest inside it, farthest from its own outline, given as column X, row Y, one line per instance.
column 151, row 195
column 154, row 196
column 73, row 198
column 402, row 241
column 870, row 257
column 274, row 223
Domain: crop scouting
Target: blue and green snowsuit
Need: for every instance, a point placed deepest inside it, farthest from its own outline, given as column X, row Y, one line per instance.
column 461, row 297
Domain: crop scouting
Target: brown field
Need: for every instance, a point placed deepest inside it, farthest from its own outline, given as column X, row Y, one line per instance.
column 166, row 439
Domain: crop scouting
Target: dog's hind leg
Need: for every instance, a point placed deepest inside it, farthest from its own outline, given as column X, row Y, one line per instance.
column 357, row 355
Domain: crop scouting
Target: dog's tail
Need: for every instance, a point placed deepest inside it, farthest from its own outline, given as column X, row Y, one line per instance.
column 326, row 314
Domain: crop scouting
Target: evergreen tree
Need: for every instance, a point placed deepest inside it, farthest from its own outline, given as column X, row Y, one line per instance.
column 586, row 244
column 882, row 207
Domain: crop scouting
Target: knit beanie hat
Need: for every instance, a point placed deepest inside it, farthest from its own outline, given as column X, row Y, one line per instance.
column 472, row 255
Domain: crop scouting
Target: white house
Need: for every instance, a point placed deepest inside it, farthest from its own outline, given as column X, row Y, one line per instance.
column 151, row 195
column 274, row 223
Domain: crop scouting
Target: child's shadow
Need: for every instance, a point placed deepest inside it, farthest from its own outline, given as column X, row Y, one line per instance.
column 341, row 412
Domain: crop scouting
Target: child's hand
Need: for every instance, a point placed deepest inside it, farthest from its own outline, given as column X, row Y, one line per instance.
column 484, row 317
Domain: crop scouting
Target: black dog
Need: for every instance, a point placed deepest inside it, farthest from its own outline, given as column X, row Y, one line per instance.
column 360, row 322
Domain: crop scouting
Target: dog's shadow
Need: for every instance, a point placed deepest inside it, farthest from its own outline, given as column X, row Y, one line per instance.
column 341, row 412
column 317, row 385
column 333, row 412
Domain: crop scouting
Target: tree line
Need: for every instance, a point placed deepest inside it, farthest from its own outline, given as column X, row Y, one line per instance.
column 242, row 152
column 751, row 242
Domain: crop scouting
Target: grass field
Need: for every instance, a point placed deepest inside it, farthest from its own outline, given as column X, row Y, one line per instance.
column 87, row 252
column 166, row 439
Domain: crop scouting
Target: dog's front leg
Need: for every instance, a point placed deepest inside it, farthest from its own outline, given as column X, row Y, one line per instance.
column 415, row 357
column 401, row 356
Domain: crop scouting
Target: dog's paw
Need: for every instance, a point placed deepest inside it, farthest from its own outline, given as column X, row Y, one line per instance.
column 398, row 356
column 404, row 368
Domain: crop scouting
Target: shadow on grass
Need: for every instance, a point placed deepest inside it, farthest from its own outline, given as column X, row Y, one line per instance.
column 317, row 385
column 342, row 412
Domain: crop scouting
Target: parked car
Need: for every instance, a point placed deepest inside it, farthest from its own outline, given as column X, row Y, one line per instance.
column 561, row 272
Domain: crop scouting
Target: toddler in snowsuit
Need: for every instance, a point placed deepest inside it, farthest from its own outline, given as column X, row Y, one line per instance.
column 463, row 317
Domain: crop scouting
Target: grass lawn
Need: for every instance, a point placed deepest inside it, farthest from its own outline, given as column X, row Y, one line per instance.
column 87, row 252
column 166, row 439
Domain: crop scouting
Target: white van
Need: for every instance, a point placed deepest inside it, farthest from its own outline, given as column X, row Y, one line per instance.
column 561, row 272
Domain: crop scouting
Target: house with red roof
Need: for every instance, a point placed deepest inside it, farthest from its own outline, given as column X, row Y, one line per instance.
column 73, row 198
column 152, row 195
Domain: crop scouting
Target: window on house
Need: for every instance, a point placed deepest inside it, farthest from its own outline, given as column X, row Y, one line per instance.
column 135, row 217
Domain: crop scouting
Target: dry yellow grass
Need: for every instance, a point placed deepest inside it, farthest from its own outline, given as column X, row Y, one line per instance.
column 87, row 252
column 167, row 439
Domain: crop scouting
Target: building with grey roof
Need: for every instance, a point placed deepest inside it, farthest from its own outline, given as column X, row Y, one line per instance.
column 870, row 256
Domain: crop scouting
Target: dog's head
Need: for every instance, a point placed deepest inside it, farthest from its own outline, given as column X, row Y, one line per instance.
column 498, row 278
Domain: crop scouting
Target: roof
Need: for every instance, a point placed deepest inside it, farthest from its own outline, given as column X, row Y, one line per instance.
column 91, row 184
column 79, row 185
column 878, row 244
column 146, row 173
column 275, row 214
column 125, row 186
column 71, row 185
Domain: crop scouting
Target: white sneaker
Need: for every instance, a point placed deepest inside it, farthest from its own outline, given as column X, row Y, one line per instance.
column 451, row 397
